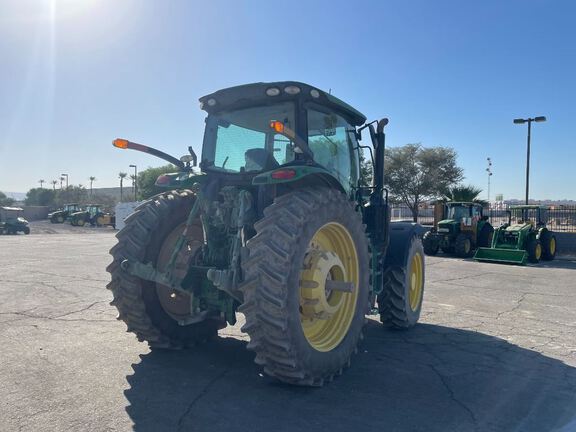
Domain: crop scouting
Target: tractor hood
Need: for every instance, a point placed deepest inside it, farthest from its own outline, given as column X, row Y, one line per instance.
column 518, row 227
column 447, row 224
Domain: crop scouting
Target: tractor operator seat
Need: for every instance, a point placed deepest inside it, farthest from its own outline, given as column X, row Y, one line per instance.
column 259, row 159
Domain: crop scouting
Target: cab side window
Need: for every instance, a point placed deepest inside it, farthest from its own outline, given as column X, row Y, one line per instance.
column 331, row 141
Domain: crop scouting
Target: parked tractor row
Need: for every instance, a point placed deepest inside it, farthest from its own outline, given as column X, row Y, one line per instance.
column 460, row 228
column 77, row 216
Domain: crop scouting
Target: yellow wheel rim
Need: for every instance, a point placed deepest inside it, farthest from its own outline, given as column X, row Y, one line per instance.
column 538, row 251
column 552, row 247
column 329, row 287
column 416, row 281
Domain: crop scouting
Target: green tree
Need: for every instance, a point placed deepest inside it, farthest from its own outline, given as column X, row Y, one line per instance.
column 365, row 170
column 147, row 180
column 41, row 197
column 464, row 193
column 414, row 174
column 5, row 201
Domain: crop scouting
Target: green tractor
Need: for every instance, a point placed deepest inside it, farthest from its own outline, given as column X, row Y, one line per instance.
column 92, row 214
column 61, row 215
column 523, row 238
column 276, row 226
column 12, row 222
column 462, row 228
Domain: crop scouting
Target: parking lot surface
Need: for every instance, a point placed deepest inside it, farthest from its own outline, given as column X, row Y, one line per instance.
column 495, row 351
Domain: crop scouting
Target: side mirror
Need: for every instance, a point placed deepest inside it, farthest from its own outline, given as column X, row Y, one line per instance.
column 187, row 159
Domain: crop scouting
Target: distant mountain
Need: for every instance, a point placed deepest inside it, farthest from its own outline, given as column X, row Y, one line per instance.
column 18, row 196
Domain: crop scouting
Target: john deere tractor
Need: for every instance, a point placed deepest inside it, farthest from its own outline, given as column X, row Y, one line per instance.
column 462, row 228
column 94, row 215
column 523, row 238
column 61, row 215
column 275, row 226
column 12, row 222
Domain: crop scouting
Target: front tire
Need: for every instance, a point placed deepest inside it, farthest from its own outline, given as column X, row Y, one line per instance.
column 400, row 301
column 534, row 250
column 302, row 331
column 431, row 246
column 463, row 246
column 143, row 305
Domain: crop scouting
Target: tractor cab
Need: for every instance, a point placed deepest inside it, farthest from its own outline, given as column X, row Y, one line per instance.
column 72, row 208
column 12, row 222
column 528, row 214
column 465, row 215
column 273, row 133
column 93, row 210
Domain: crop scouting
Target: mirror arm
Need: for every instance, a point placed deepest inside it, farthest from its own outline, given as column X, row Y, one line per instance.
column 194, row 157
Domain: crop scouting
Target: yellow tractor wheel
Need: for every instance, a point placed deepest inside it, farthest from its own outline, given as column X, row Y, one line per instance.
column 400, row 301
column 306, row 286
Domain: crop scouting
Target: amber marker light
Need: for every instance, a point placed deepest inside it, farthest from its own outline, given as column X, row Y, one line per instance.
column 278, row 126
column 120, row 143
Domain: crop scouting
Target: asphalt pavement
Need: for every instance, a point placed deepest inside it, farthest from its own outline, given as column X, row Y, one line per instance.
column 495, row 351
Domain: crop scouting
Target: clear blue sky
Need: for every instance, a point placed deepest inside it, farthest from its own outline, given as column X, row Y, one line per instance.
column 77, row 73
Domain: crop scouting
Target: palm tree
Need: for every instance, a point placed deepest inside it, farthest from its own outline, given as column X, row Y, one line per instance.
column 121, row 176
column 464, row 193
column 54, row 183
column 92, row 179
column 41, row 181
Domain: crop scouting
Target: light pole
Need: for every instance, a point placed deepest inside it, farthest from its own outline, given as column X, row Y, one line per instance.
column 529, row 121
column 135, row 181
column 65, row 175
column 489, row 171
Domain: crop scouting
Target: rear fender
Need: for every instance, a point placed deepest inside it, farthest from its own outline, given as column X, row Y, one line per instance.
column 401, row 235
column 299, row 175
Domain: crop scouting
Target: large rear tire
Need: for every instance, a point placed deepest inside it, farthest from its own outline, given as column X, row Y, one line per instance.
column 549, row 245
column 148, row 236
column 303, row 328
column 400, row 301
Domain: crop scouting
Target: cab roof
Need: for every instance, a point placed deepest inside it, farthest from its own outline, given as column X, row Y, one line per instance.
column 255, row 94
column 528, row 207
column 463, row 203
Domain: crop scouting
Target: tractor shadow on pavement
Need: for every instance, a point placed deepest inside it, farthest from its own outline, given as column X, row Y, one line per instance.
column 432, row 378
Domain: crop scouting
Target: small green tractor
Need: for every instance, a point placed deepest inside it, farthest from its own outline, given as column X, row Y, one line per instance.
column 62, row 215
column 523, row 238
column 92, row 214
column 462, row 228
column 276, row 226
column 12, row 222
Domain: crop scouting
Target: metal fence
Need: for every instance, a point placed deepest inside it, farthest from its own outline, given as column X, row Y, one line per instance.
column 561, row 218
